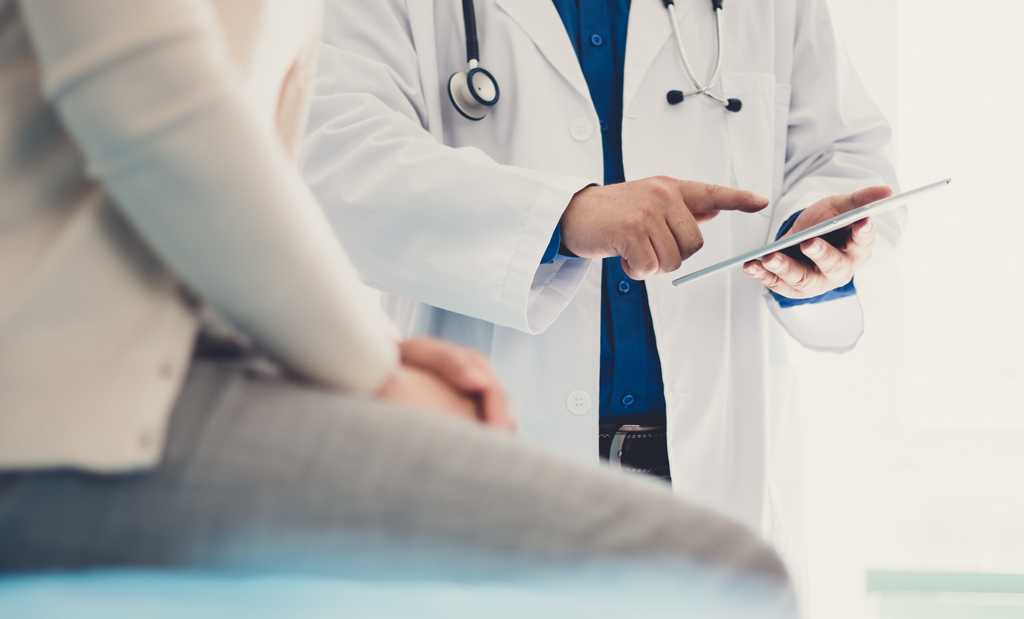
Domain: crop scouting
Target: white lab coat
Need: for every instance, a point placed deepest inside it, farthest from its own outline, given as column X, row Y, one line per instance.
column 450, row 217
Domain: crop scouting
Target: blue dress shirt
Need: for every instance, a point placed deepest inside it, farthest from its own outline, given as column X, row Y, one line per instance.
column 631, row 386
column 630, row 368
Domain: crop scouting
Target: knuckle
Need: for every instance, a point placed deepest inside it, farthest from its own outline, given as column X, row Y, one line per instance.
column 801, row 280
column 693, row 244
column 477, row 360
column 635, row 223
column 661, row 188
column 643, row 264
column 835, row 261
column 648, row 211
column 828, row 261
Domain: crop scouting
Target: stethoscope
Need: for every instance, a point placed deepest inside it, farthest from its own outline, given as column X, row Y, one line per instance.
column 475, row 91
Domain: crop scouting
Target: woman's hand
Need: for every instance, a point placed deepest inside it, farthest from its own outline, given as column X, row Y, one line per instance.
column 449, row 379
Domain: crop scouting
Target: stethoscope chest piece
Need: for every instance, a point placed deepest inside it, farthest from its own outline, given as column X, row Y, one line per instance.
column 473, row 92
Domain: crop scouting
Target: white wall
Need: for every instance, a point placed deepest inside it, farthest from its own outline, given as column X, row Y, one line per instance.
column 912, row 445
column 832, row 432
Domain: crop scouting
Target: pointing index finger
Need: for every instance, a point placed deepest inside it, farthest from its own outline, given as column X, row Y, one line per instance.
column 705, row 200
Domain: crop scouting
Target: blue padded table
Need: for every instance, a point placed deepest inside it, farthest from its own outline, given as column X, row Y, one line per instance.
column 156, row 594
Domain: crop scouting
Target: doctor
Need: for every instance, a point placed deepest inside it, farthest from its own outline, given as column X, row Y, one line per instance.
column 524, row 176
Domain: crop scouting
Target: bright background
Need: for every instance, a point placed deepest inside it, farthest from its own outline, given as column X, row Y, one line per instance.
column 907, row 453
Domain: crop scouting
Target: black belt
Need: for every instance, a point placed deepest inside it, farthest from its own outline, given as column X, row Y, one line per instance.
column 643, row 449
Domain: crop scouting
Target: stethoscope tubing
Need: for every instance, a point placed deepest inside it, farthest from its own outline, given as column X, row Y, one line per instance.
column 701, row 89
column 675, row 96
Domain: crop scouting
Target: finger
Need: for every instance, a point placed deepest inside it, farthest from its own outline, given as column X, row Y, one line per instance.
column 862, row 242
column 494, row 408
column 685, row 230
column 493, row 398
column 666, row 248
column 640, row 261
column 705, row 200
column 770, row 280
column 465, row 370
column 450, row 363
column 799, row 277
column 840, row 204
column 835, row 265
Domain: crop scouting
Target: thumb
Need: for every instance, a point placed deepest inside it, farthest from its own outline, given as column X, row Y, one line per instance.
column 868, row 195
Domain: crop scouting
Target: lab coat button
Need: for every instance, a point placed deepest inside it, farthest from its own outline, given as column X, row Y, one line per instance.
column 624, row 287
column 578, row 403
column 581, row 129
column 628, row 400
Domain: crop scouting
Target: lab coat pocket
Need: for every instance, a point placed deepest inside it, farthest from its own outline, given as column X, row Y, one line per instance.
column 752, row 132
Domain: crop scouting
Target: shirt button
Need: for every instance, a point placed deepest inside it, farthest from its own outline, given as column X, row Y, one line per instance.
column 624, row 287
column 596, row 40
column 581, row 129
column 628, row 400
column 578, row 403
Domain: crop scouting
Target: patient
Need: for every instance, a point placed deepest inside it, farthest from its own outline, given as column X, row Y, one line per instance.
column 150, row 196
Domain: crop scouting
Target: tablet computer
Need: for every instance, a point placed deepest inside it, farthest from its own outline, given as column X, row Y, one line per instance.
column 823, row 229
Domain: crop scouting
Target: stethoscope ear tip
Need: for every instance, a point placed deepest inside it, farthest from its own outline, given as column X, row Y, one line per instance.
column 674, row 97
column 734, row 105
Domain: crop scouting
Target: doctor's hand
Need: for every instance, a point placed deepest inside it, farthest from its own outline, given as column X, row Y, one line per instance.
column 449, row 379
column 651, row 223
column 826, row 266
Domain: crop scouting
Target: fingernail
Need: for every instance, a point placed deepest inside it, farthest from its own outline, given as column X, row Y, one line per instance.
column 814, row 247
column 750, row 270
column 867, row 225
column 775, row 262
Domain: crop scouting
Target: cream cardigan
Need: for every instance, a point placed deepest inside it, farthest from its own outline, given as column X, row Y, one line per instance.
column 139, row 168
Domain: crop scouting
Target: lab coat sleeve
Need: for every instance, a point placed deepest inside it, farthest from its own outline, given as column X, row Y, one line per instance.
column 837, row 142
column 449, row 227
column 147, row 91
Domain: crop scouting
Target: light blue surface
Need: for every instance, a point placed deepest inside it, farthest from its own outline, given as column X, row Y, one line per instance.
column 140, row 594
column 946, row 595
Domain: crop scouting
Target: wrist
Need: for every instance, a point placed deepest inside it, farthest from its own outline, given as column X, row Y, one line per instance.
column 573, row 218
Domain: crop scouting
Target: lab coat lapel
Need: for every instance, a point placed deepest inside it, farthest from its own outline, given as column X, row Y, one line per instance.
column 540, row 21
column 649, row 31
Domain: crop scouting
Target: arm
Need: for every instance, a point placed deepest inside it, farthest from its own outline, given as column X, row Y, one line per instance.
column 146, row 90
column 462, row 232
column 837, row 143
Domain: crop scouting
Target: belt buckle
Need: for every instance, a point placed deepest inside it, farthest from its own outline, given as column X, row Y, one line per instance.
column 619, row 441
